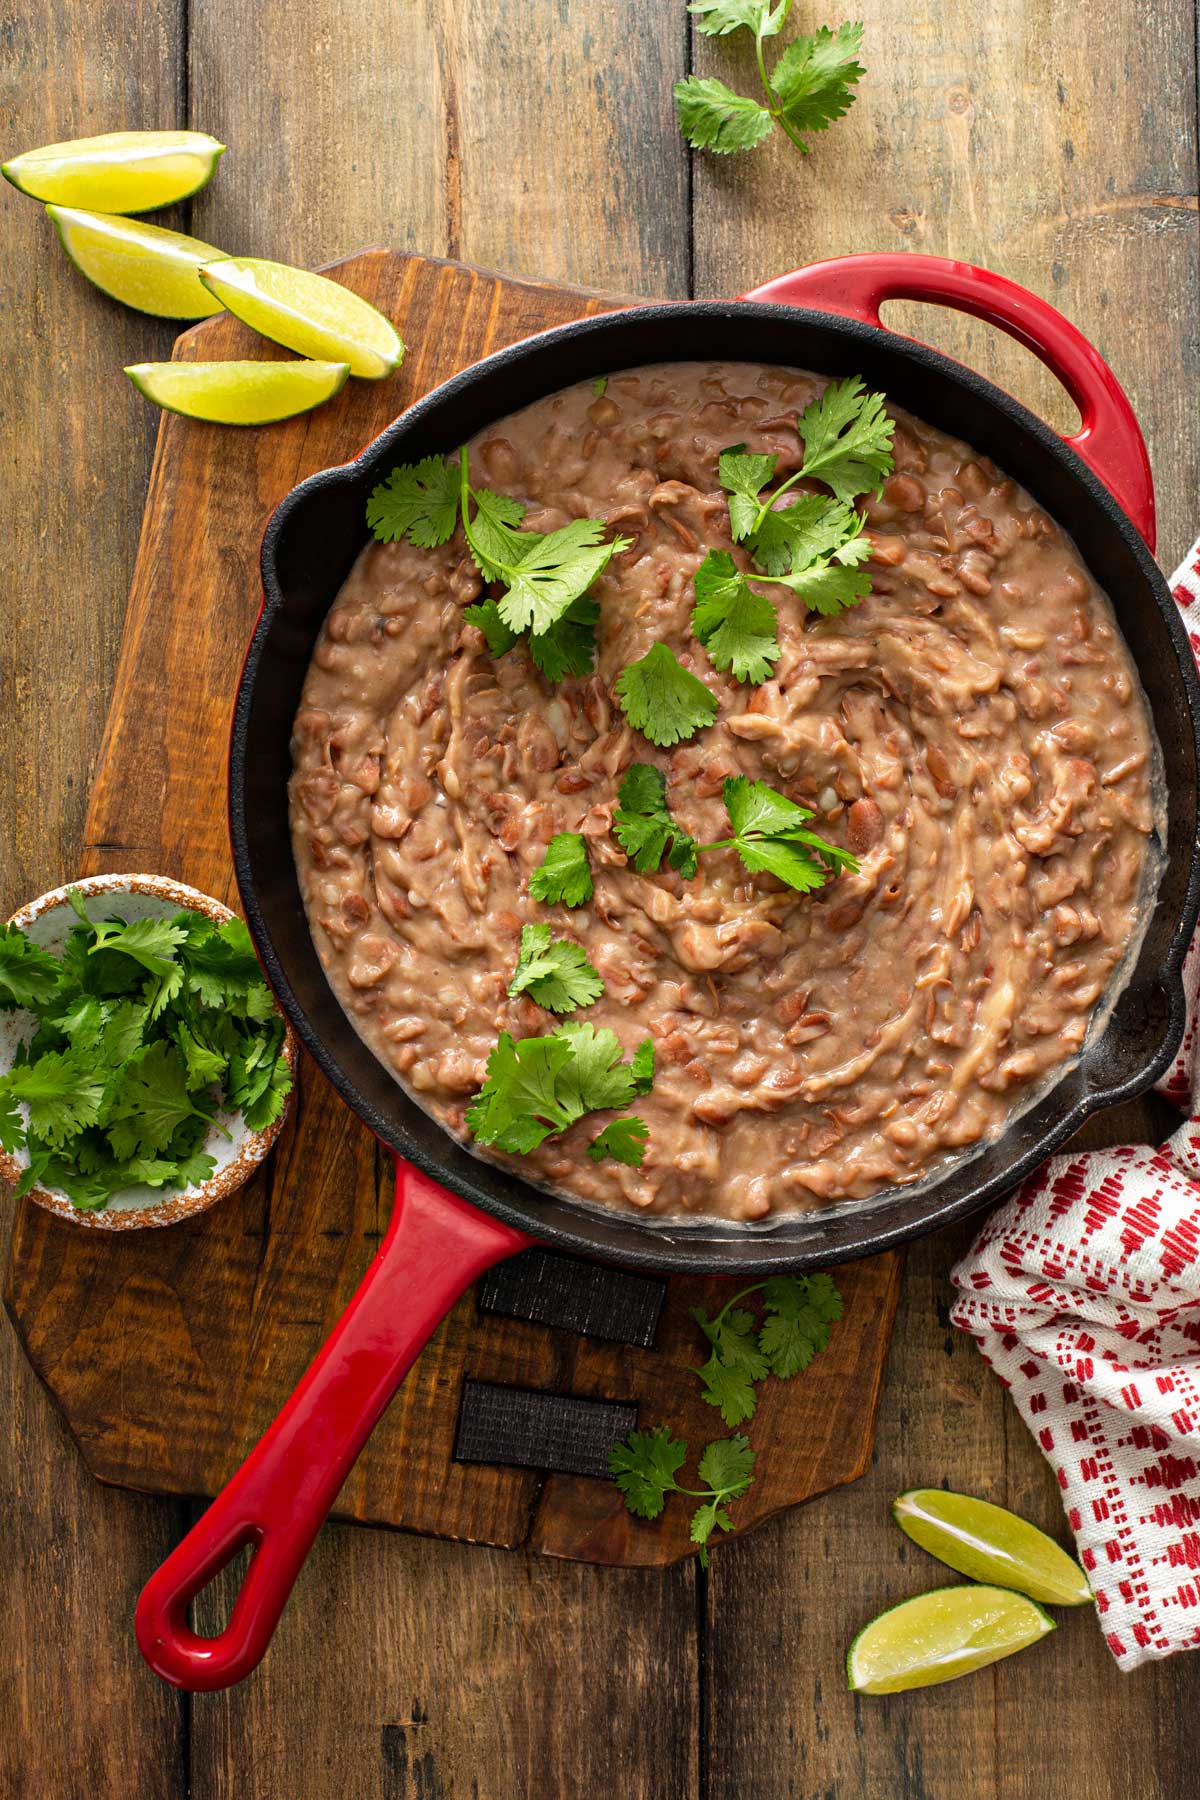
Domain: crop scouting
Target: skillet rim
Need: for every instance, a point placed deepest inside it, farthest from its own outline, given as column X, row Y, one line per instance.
column 585, row 1229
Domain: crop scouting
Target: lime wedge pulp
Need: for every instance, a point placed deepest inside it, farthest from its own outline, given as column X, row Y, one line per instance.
column 308, row 313
column 238, row 393
column 121, row 172
column 989, row 1543
column 146, row 267
column 940, row 1635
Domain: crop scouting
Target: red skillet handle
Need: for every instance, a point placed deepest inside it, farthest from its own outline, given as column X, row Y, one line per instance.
column 434, row 1247
column 1109, row 440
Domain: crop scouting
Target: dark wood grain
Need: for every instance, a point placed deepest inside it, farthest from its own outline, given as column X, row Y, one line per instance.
column 178, row 1410
column 79, row 1716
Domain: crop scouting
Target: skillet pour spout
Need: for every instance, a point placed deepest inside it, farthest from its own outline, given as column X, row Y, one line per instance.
column 455, row 1214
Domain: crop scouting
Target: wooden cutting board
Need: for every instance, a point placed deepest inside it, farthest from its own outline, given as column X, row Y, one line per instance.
column 170, row 1351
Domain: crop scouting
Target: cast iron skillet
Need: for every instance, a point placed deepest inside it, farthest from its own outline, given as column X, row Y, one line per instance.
column 454, row 1214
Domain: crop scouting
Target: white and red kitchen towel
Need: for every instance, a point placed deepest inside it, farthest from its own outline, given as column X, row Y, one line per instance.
column 1083, row 1293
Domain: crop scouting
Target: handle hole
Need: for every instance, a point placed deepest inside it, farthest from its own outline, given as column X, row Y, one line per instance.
column 210, row 1610
column 992, row 353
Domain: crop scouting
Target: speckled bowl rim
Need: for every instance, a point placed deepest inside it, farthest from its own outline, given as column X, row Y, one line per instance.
column 188, row 1202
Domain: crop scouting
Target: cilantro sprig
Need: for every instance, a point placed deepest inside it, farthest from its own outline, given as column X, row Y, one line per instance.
column 645, row 1465
column 813, row 545
column 800, row 1311
column 554, row 972
column 770, row 832
column 809, row 87
column 770, row 835
column 143, row 1029
column 545, row 575
column 538, row 1086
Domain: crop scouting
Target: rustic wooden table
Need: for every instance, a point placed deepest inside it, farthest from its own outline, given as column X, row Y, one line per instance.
column 1056, row 144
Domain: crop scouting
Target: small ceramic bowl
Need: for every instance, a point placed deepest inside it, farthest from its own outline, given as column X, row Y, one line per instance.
column 47, row 921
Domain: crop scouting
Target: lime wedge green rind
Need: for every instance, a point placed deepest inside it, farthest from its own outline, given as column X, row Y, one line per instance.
column 238, row 393
column 144, row 266
column 307, row 313
column 120, row 172
column 941, row 1635
column 991, row 1544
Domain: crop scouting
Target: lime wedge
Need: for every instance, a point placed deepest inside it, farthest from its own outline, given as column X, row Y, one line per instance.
column 238, row 393
column 989, row 1543
column 121, row 172
column 940, row 1635
column 154, row 270
column 309, row 313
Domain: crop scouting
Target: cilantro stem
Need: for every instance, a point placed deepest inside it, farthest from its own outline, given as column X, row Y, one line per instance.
column 770, row 500
column 773, row 106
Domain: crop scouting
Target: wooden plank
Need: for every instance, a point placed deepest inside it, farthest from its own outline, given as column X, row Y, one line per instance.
column 75, row 446
column 412, row 1670
column 418, row 1668
column 1031, row 150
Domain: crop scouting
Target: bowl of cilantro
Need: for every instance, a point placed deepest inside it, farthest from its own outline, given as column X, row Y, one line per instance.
column 145, row 1068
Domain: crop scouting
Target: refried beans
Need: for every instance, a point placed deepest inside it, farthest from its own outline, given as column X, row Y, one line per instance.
column 974, row 731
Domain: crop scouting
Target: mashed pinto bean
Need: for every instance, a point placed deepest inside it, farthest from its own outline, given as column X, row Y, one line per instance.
column 974, row 731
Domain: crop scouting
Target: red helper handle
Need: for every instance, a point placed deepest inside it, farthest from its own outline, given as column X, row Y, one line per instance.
column 435, row 1246
column 1109, row 439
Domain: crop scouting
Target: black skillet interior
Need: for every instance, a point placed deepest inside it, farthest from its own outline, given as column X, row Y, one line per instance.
column 307, row 551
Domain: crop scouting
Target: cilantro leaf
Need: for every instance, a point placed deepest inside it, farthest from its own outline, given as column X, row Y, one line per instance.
column 847, row 439
column 542, row 572
column 152, row 1100
column 641, row 1066
column 594, row 1079
column 712, row 117
column 486, row 616
column 222, row 967
column 564, row 877
column 12, row 1125
column 643, row 826
column 827, row 588
column 28, row 975
column 813, row 78
column 203, row 1064
column 150, row 942
column 770, row 835
column 555, row 973
column 729, row 1389
column 600, row 386
column 418, row 500
column 539, row 1085
column 569, row 646
column 790, row 538
column 716, row 18
column 727, row 1465
column 62, row 1093
column 662, row 699
column 624, row 1139
column 517, row 1105
column 801, row 1309
column 557, row 570
column 744, row 476
column 270, row 1100
column 736, row 625
column 644, row 1467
